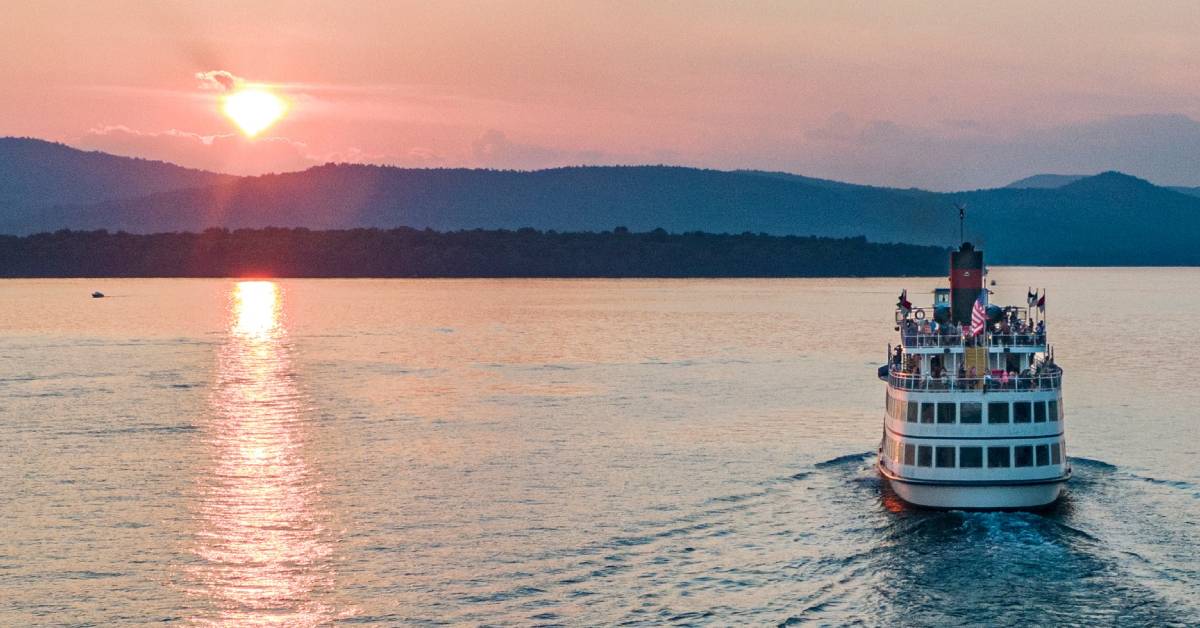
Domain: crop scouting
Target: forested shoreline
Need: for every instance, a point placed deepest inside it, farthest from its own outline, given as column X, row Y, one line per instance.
column 406, row 252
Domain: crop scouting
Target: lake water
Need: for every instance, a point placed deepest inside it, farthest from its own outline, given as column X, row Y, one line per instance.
column 519, row 452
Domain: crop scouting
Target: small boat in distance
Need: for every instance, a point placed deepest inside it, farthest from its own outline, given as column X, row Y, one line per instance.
column 97, row 295
column 974, row 413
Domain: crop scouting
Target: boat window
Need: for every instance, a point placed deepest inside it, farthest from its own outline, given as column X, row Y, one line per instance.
column 900, row 406
column 910, row 454
column 944, row 457
column 924, row 456
column 1039, row 412
column 1023, row 456
column 945, row 412
column 897, row 451
column 998, row 412
column 998, row 457
column 970, row 457
column 970, row 412
column 911, row 415
column 927, row 412
column 1043, row 455
column 1055, row 454
column 1052, row 409
column 1021, row 412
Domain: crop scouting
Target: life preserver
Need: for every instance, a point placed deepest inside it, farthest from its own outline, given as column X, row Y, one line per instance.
column 919, row 314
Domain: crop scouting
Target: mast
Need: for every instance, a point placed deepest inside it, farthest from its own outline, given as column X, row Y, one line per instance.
column 962, row 217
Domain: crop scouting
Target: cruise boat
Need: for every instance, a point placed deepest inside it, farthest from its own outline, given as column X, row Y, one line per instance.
column 974, row 412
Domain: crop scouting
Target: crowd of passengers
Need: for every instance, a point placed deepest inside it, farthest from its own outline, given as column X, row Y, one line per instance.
column 1010, row 330
column 1042, row 374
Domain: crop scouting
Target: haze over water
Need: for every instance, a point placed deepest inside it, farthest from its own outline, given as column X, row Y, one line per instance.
column 302, row 452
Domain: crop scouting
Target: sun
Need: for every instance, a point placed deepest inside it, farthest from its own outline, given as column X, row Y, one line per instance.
column 253, row 109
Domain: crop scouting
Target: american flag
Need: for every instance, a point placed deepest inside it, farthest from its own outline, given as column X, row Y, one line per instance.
column 978, row 317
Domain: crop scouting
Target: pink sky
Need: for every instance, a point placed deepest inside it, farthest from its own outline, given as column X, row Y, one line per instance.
column 941, row 95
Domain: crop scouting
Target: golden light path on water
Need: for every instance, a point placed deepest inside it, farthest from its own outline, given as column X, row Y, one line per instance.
column 263, row 553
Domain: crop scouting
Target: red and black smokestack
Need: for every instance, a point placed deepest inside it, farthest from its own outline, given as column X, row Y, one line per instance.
column 966, row 282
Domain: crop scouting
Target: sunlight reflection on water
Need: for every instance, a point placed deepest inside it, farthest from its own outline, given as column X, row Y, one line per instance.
column 264, row 553
column 594, row 452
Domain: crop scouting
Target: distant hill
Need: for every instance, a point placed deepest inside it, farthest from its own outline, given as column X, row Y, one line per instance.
column 642, row 198
column 1184, row 190
column 1107, row 219
column 1045, row 181
column 1110, row 218
column 36, row 174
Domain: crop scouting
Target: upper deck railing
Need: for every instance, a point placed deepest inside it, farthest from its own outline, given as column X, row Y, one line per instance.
column 919, row 339
column 919, row 332
column 1050, row 379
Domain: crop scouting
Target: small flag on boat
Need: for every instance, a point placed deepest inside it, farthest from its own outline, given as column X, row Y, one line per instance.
column 1031, row 297
column 978, row 317
column 904, row 303
column 1041, row 303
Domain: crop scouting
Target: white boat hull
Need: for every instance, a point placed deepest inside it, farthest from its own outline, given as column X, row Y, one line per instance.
column 977, row 497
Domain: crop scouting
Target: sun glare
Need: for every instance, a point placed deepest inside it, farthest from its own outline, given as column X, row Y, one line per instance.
column 253, row 109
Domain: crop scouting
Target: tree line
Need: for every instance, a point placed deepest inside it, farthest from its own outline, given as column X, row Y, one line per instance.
column 406, row 252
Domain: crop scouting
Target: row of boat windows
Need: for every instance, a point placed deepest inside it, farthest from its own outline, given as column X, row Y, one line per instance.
column 973, row 457
column 973, row 411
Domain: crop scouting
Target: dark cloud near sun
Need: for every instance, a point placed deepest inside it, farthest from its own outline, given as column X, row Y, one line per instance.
column 219, row 80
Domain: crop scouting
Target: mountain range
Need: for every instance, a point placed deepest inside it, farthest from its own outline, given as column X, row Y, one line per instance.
column 1105, row 219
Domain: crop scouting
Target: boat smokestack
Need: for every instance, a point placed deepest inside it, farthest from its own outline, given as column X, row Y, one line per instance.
column 966, row 282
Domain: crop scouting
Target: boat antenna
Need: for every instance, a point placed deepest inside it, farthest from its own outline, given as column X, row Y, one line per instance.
column 962, row 216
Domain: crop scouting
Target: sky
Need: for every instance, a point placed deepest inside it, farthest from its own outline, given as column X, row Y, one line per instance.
column 938, row 95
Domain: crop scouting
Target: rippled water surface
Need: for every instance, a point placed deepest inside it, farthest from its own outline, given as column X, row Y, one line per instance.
column 304, row 452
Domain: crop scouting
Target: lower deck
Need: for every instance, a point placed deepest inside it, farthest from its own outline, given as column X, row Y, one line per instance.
column 978, row 496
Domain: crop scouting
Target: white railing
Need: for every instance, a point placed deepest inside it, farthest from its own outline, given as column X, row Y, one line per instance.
column 919, row 339
column 1031, row 339
column 1050, row 380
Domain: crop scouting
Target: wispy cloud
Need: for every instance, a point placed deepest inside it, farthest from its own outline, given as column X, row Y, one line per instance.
column 230, row 153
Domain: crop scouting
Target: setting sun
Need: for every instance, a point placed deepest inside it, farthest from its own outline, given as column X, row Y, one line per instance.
column 253, row 109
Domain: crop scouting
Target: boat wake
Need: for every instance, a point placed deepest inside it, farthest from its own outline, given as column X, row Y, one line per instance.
column 825, row 541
